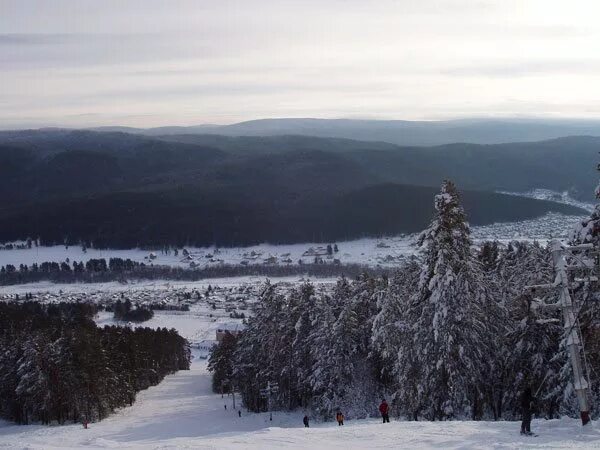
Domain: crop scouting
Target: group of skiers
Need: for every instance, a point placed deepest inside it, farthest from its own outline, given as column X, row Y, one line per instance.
column 384, row 409
column 527, row 404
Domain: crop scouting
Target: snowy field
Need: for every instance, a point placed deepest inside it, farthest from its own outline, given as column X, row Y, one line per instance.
column 154, row 288
column 553, row 196
column 383, row 252
column 183, row 413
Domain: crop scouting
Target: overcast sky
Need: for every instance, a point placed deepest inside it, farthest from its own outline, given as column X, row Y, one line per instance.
column 151, row 63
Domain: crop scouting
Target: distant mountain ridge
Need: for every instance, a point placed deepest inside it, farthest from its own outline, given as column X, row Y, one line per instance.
column 400, row 132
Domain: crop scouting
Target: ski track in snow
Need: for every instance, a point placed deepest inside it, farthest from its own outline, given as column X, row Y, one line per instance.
column 182, row 412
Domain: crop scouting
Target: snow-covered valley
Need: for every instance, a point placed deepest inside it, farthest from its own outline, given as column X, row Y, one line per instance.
column 386, row 251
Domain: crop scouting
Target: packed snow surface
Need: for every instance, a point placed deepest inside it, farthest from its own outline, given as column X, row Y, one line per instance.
column 182, row 412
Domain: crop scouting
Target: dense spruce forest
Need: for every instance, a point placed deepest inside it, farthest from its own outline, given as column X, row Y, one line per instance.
column 114, row 189
column 117, row 269
column 452, row 334
column 58, row 366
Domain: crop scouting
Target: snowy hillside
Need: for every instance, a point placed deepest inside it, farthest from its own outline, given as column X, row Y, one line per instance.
column 558, row 197
column 182, row 412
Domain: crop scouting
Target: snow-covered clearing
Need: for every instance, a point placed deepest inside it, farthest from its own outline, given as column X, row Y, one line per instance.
column 553, row 196
column 156, row 286
column 182, row 412
column 383, row 252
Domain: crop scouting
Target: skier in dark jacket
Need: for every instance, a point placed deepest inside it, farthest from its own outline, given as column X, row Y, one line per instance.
column 305, row 421
column 340, row 418
column 384, row 409
column 526, row 407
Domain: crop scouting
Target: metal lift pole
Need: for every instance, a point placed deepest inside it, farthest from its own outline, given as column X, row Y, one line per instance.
column 572, row 338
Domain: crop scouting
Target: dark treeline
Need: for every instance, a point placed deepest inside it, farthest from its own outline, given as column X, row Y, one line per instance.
column 128, row 312
column 451, row 334
column 234, row 216
column 56, row 365
column 100, row 271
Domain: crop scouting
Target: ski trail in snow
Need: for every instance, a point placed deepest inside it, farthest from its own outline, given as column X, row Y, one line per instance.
column 182, row 412
column 182, row 406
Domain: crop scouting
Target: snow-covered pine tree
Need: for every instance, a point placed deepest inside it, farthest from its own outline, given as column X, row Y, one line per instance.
column 333, row 371
column 33, row 389
column 532, row 346
column 261, row 354
column 64, row 383
column 449, row 333
column 220, row 364
column 392, row 338
column 296, row 331
column 588, row 230
column 488, row 255
column 526, row 353
column 497, row 326
column 9, row 357
column 343, row 375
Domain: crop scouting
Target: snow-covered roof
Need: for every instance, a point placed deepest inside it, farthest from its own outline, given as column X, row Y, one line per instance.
column 231, row 326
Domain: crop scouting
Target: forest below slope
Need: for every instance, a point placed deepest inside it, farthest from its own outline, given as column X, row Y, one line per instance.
column 114, row 189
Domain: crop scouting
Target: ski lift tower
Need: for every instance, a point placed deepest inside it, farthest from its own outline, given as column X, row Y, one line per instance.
column 560, row 253
column 271, row 389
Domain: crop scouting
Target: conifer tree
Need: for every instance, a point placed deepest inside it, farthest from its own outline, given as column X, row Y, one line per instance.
column 220, row 364
column 392, row 338
column 588, row 230
column 448, row 335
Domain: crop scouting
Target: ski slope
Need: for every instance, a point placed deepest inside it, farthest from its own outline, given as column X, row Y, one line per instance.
column 182, row 412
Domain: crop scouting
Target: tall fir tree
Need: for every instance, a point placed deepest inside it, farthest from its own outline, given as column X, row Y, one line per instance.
column 449, row 333
column 392, row 338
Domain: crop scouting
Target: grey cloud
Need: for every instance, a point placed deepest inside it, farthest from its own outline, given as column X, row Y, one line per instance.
column 23, row 38
column 81, row 50
column 67, row 58
column 525, row 68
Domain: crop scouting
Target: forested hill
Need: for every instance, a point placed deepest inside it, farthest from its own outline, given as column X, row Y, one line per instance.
column 564, row 164
column 122, row 190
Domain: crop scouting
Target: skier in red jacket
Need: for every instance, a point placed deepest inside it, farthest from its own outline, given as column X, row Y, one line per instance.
column 384, row 409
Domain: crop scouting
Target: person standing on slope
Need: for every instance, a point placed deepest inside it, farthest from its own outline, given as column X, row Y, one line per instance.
column 340, row 418
column 526, row 407
column 305, row 421
column 384, row 409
